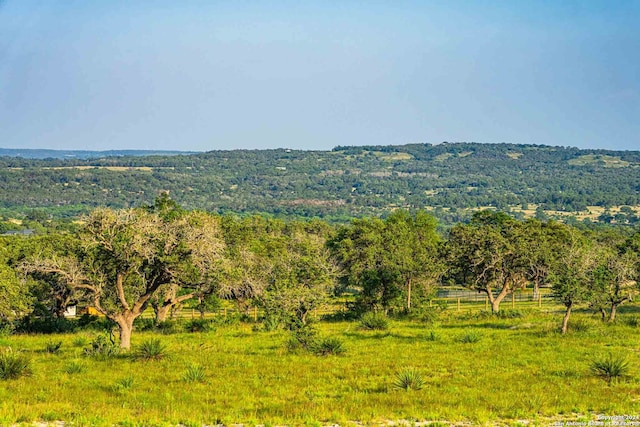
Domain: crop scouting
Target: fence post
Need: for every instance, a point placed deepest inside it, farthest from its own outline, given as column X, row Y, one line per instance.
column 513, row 300
column 255, row 314
column 486, row 303
column 458, row 304
column 539, row 300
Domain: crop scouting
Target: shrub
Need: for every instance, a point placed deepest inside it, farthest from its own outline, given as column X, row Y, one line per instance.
column 328, row 346
column 408, row 379
column 470, row 337
column 144, row 324
column 198, row 325
column 53, row 347
column 194, row 373
column 374, row 321
column 152, row 349
column 6, row 328
column 610, row 368
column 302, row 336
column 44, row 325
column 167, row 327
column 102, row 348
column 509, row 314
column 14, row 365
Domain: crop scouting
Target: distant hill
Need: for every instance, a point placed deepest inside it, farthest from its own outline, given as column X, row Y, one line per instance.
column 83, row 154
column 450, row 179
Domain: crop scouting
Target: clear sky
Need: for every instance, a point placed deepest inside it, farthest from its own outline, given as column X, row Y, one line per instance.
column 204, row 75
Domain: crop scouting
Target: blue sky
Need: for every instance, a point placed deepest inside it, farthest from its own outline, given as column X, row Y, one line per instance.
column 204, row 75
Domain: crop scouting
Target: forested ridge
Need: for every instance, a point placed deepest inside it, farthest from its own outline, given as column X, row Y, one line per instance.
column 449, row 178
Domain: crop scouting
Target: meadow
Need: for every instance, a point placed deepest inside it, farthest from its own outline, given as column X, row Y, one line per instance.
column 476, row 368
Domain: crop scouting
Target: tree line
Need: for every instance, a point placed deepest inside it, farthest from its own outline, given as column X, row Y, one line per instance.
column 337, row 185
column 124, row 262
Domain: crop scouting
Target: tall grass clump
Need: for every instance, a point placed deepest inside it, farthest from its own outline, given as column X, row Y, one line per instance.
column 610, row 368
column 328, row 346
column 52, row 347
column 152, row 349
column 194, row 374
column 408, row 379
column 470, row 337
column 74, row 367
column 374, row 321
column 14, row 365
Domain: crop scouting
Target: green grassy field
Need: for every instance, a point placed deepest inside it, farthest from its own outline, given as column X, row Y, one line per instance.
column 519, row 369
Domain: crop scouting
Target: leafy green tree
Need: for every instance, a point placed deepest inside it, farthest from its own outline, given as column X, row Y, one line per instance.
column 488, row 255
column 383, row 259
column 574, row 262
column 126, row 256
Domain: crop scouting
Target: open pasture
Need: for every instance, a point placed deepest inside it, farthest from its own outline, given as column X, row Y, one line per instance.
column 477, row 368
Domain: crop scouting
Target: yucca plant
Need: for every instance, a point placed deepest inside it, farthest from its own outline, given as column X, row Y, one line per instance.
column 408, row 379
column 194, row 373
column 14, row 365
column 152, row 349
column 610, row 368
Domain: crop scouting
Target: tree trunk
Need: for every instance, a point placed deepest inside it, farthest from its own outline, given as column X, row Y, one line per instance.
column 612, row 313
column 125, row 327
column 409, row 295
column 495, row 301
column 565, row 320
column 162, row 312
column 603, row 313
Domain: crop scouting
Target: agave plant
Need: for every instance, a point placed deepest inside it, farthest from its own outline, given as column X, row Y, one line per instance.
column 408, row 379
column 610, row 368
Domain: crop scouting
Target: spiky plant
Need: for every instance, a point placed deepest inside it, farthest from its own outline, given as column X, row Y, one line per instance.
column 610, row 368
column 14, row 365
column 408, row 379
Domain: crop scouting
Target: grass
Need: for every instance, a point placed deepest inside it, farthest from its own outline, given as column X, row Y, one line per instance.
column 611, row 368
column 235, row 374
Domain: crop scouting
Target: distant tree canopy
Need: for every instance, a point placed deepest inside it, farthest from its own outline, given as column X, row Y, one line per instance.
column 337, row 185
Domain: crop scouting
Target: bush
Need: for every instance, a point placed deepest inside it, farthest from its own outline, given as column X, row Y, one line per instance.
column 144, row 324
column 6, row 328
column 610, row 368
column 509, row 314
column 198, row 325
column 103, row 348
column 167, row 327
column 14, row 365
column 408, row 379
column 52, row 347
column 328, row 346
column 152, row 349
column 374, row 321
column 194, row 373
column 302, row 336
column 44, row 325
